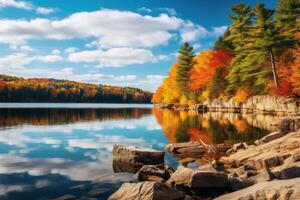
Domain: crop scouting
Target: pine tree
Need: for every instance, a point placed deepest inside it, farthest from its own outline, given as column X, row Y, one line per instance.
column 185, row 62
column 287, row 17
column 239, row 38
column 267, row 38
column 223, row 43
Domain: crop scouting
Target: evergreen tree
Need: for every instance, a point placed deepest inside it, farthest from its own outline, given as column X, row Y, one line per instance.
column 267, row 38
column 239, row 38
column 223, row 43
column 185, row 62
column 287, row 17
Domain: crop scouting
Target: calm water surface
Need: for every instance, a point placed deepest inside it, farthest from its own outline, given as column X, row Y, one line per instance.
column 50, row 151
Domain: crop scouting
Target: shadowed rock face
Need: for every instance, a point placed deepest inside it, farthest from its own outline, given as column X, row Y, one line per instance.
column 281, row 189
column 146, row 191
column 158, row 173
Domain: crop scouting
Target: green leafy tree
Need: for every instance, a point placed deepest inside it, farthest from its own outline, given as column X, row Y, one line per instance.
column 185, row 62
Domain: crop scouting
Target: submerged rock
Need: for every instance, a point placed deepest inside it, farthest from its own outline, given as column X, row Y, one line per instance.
column 146, row 191
column 158, row 173
column 280, row 189
column 131, row 158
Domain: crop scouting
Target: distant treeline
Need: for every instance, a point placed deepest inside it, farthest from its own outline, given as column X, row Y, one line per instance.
column 14, row 89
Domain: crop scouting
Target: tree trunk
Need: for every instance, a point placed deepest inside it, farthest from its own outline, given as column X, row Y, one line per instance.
column 274, row 68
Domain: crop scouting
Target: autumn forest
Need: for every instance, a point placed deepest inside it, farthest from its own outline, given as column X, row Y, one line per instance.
column 14, row 89
column 258, row 54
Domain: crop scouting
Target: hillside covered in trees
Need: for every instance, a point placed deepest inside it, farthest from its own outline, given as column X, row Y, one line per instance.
column 14, row 89
column 258, row 54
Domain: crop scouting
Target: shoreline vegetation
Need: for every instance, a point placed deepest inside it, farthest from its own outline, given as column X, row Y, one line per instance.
column 259, row 54
column 42, row 90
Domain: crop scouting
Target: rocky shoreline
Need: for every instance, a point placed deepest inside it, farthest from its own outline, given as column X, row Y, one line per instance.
column 268, row 169
column 260, row 104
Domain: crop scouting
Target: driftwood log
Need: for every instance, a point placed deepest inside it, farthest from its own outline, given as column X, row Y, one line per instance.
column 195, row 149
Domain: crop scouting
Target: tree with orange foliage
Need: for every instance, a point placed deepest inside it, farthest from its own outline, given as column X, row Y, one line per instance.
column 206, row 63
column 169, row 91
column 289, row 74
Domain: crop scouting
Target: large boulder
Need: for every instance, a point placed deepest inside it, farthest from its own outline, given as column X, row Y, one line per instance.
column 132, row 158
column 146, row 191
column 158, row 173
column 280, row 189
column 197, row 179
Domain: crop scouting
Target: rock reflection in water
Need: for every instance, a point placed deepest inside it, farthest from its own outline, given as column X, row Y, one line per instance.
column 212, row 128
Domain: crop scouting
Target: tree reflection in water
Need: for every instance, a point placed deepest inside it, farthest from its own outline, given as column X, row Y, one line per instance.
column 54, row 116
column 210, row 128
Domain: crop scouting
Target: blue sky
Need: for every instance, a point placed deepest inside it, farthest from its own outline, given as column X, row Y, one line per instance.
column 117, row 42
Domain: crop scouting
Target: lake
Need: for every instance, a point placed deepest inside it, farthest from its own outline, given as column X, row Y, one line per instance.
column 50, row 151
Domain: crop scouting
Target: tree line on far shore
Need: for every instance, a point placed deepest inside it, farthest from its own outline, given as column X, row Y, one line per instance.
column 14, row 89
column 258, row 54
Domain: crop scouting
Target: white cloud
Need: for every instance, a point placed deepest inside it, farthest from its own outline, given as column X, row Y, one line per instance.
column 71, row 50
column 55, row 51
column 115, row 57
column 16, row 4
column 144, row 9
column 104, row 25
column 45, row 11
column 14, row 61
column 22, row 48
column 24, row 5
column 47, row 58
column 218, row 31
column 191, row 32
column 159, row 78
column 19, row 60
column 197, row 46
column 170, row 11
